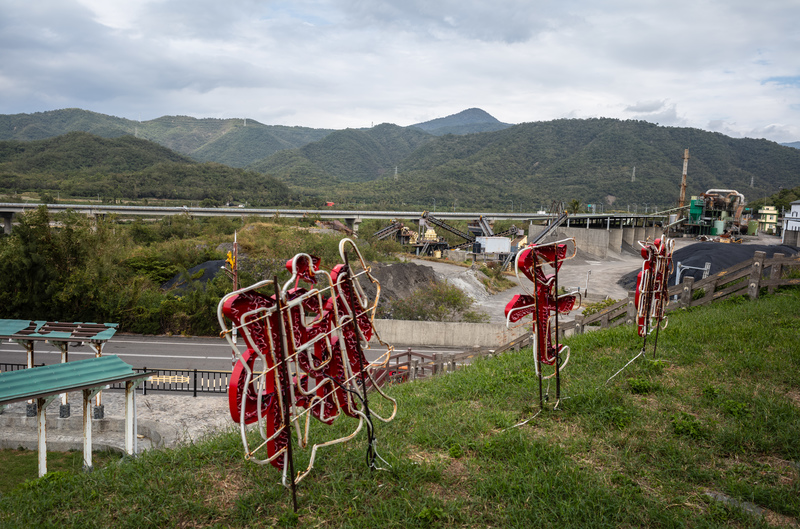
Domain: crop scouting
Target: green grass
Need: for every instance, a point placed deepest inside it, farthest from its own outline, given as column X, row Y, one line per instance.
column 23, row 465
column 718, row 411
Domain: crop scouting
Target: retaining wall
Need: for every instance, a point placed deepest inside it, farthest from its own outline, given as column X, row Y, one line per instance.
column 445, row 334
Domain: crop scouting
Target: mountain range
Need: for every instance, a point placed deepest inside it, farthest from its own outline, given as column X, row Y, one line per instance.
column 469, row 159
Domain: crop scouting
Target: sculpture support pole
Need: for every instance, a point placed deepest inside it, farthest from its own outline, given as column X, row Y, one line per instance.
column 558, row 372
column 353, row 306
column 284, row 369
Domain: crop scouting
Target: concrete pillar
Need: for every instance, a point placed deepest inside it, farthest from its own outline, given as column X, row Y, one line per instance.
column 131, row 441
column 353, row 223
column 615, row 240
column 87, row 429
column 628, row 236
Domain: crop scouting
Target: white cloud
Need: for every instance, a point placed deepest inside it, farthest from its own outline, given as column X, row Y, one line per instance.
column 729, row 66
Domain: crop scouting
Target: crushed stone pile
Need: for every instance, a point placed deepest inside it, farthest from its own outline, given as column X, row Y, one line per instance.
column 721, row 256
column 398, row 280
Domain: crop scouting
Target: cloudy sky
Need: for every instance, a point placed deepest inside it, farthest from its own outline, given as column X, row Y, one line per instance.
column 731, row 66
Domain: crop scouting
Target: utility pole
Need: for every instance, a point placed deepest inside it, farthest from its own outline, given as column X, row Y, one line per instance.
column 683, row 178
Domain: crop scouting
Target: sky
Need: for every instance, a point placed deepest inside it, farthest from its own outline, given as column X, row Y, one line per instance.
column 730, row 66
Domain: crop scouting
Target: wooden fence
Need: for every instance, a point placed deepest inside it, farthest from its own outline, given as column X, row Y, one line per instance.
column 746, row 278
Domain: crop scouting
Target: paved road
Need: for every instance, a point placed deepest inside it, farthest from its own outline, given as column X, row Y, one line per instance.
column 160, row 352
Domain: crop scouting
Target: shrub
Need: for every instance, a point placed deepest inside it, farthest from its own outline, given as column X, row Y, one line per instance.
column 594, row 308
column 440, row 301
column 641, row 386
column 687, row 425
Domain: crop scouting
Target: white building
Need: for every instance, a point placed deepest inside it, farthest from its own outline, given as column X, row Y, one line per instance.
column 791, row 225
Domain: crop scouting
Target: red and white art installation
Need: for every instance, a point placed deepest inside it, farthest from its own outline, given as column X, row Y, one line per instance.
column 540, row 263
column 303, row 358
column 652, row 297
column 652, row 292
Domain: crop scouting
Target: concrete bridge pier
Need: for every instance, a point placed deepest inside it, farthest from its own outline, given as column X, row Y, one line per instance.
column 7, row 217
column 353, row 223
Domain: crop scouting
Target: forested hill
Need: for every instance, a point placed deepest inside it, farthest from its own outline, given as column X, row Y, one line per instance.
column 348, row 155
column 81, row 164
column 81, row 151
column 591, row 160
column 526, row 165
column 234, row 142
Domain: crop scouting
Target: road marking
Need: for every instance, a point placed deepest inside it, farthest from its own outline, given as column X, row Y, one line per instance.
column 209, row 344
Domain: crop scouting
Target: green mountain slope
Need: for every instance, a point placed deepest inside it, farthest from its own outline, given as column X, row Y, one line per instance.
column 245, row 144
column 234, row 142
column 293, row 168
column 81, row 164
column 350, row 155
column 77, row 151
column 41, row 125
column 589, row 160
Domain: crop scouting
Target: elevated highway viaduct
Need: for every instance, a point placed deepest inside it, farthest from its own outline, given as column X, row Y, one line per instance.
column 353, row 217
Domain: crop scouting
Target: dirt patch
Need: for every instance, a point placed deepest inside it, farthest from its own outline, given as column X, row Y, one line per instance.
column 227, row 485
column 794, row 396
column 457, row 472
column 426, row 456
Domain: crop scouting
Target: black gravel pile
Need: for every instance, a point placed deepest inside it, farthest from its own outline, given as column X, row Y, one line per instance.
column 720, row 255
column 203, row 272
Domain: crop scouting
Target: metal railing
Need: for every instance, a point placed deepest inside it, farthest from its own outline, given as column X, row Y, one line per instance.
column 192, row 381
column 15, row 367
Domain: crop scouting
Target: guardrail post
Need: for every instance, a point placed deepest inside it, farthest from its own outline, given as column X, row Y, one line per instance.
column 776, row 270
column 630, row 317
column 194, row 384
column 686, row 291
column 579, row 323
column 414, row 370
column 144, row 383
column 755, row 274
column 437, row 363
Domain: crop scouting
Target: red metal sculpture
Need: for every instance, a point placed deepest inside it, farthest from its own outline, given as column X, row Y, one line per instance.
column 652, row 297
column 303, row 358
column 545, row 304
column 652, row 292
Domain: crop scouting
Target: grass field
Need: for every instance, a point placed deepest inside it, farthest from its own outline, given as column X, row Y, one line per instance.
column 715, row 415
